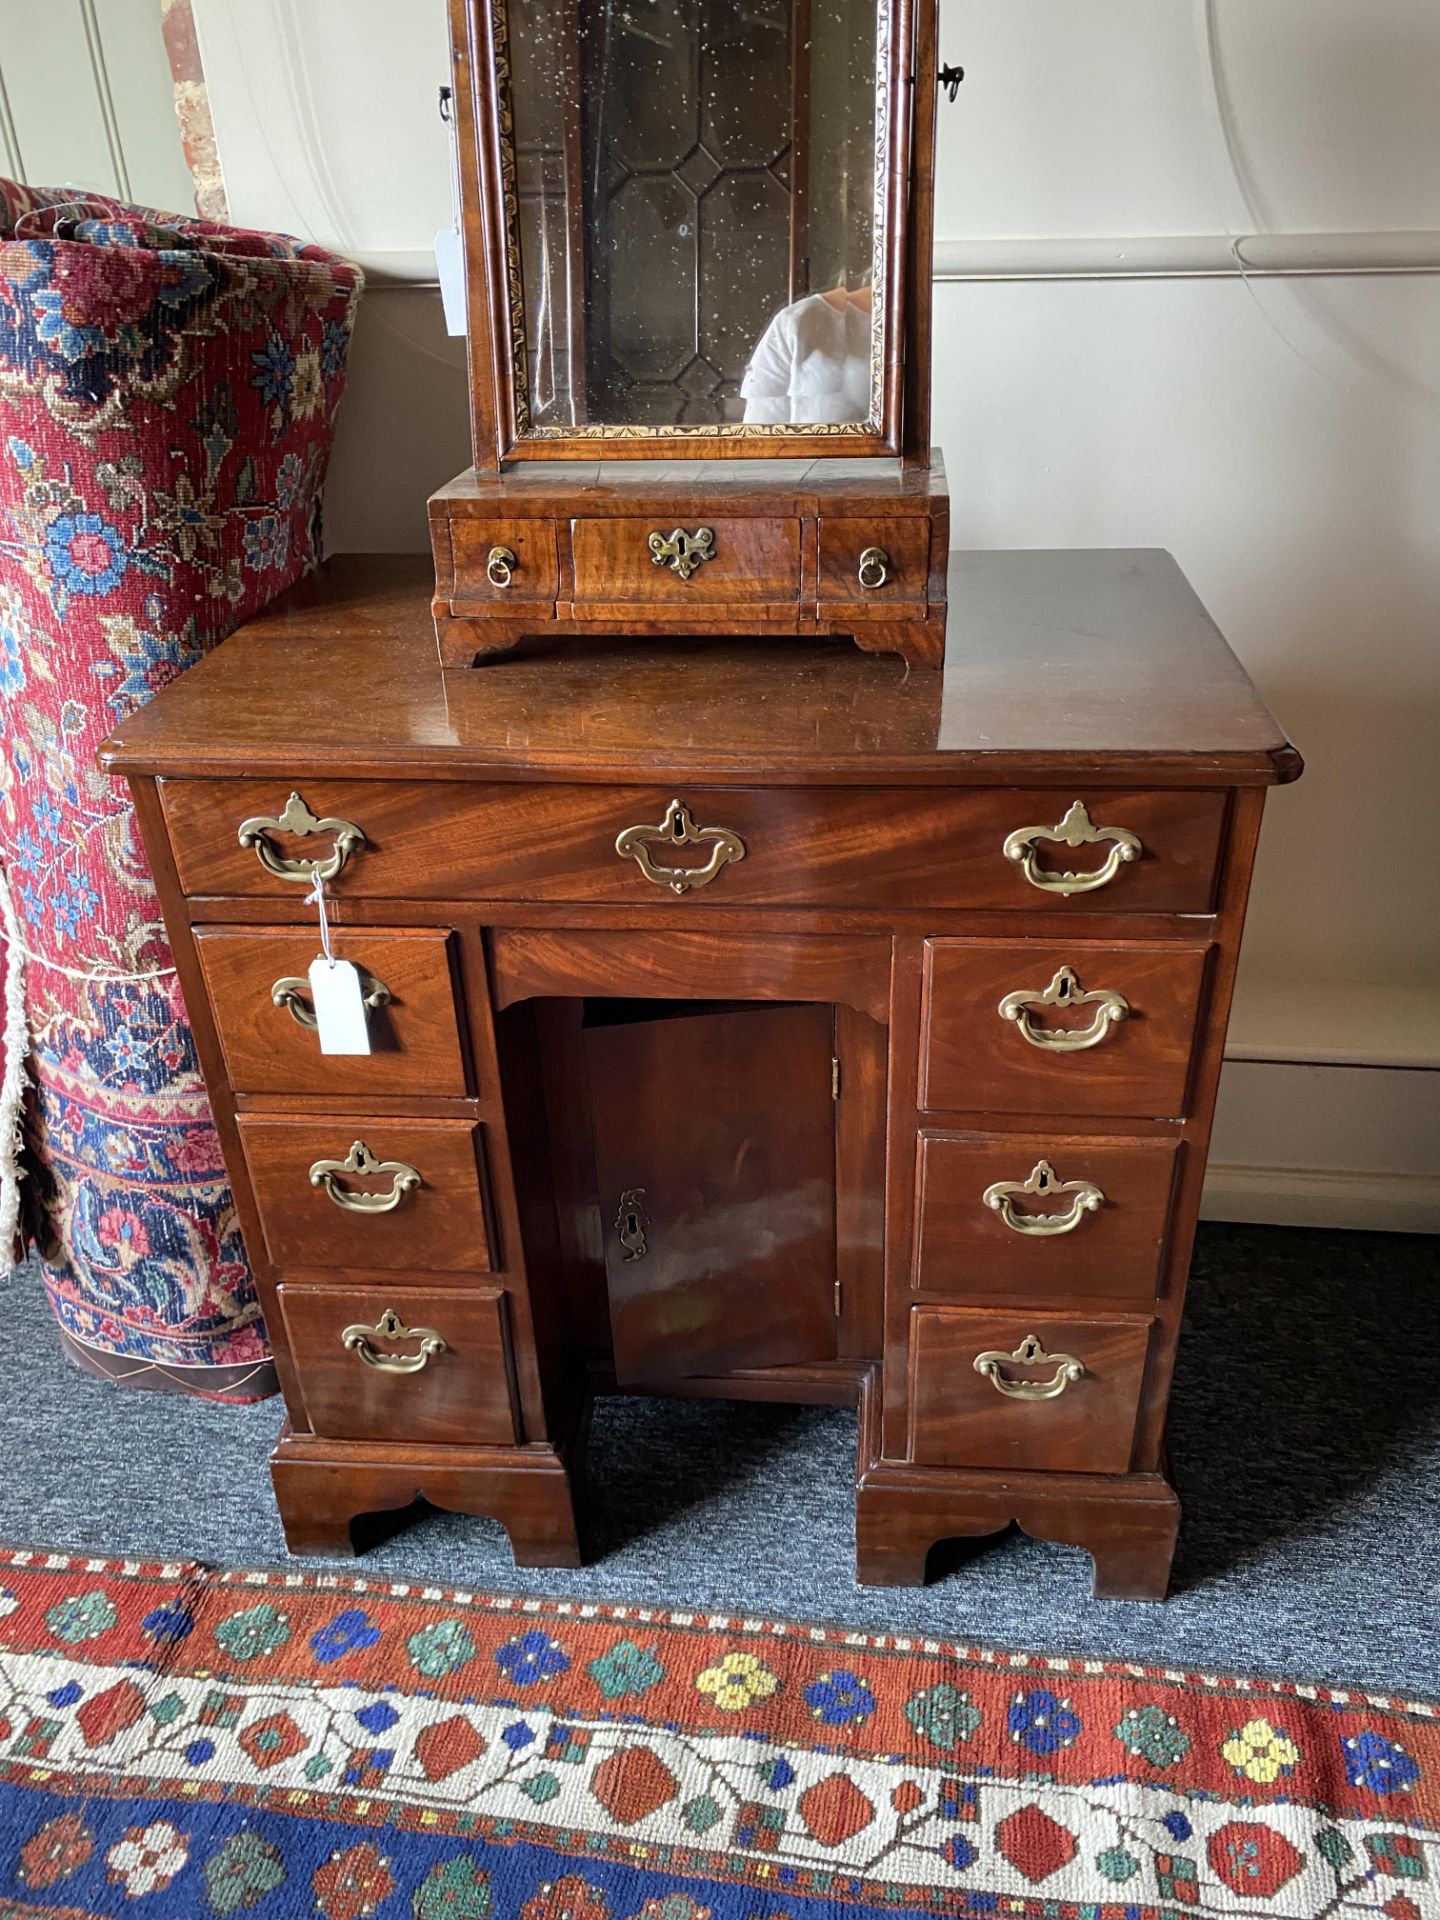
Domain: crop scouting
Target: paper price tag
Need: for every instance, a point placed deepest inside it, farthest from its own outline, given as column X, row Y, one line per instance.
column 339, row 1006
column 450, row 269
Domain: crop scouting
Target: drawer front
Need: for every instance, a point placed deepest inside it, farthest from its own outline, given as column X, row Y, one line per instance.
column 878, row 564
column 846, row 846
column 504, row 560
column 310, row 1177
column 1011, row 1416
column 1041, row 1219
column 350, row 1347
column 1059, row 1027
column 260, row 996
column 745, row 560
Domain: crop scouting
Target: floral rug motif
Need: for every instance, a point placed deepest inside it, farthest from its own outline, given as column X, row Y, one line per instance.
column 179, row 1741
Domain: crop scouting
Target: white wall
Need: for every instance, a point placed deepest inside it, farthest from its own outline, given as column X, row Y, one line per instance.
column 1281, row 435
column 86, row 100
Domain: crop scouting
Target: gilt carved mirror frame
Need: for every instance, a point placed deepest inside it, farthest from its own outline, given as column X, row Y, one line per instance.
column 902, row 229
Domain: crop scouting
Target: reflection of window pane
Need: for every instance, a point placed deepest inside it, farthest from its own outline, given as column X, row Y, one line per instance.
column 685, row 170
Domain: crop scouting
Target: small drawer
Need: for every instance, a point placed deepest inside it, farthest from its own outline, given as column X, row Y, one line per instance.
column 1040, row 1219
column 1057, row 1027
column 413, row 1365
column 310, row 1179
column 879, row 564
column 503, row 561
column 744, row 560
column 260, row 997
column 1051, row 1393
column 824, row 846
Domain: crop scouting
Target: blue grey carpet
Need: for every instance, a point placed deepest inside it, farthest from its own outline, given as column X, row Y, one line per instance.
column 1306, row 1433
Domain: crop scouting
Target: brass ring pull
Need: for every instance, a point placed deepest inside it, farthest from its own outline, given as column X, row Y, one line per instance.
column 1064, row 991
column 501, row 566
column 1077, row 829
column 359, row 1341
column 1042, row 1183
column 678, row 829
column 293, row 994
column 297, row 818
column 874, row 569
column 1030, row 1353
column 403, row 1179
column 680, row 551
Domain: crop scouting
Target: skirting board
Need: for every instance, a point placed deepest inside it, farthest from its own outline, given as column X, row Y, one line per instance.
column 1323, row 1197
column 1303, row 1145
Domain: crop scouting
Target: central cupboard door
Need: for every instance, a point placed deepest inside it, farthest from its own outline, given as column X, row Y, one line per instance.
column 715, row 1155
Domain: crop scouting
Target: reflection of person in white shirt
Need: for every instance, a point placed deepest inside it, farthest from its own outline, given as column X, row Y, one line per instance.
column 813, row 362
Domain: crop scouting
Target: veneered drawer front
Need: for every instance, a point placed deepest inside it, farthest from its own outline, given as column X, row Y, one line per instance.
column 750, row 560
column 905, row 547
column 837, row 846
column 1092, row 1226
column 307, row 1195
column 461, row 1395
column 531, row 573
column 976, row 1059
column 961, row 1418
column 270, row 1048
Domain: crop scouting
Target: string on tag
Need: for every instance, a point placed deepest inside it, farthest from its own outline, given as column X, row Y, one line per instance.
column 317, row 899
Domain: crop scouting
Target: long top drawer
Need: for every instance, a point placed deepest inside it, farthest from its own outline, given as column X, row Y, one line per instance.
column 1026, row 849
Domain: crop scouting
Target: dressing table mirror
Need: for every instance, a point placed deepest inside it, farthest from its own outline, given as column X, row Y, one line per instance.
column 697, row 252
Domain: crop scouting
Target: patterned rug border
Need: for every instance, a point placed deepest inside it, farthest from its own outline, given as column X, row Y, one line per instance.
column 815, row 1632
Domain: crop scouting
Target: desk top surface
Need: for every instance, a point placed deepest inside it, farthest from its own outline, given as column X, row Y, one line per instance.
column 1101, row 663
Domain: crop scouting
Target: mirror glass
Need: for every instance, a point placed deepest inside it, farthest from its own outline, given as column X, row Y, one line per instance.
column 696, row 208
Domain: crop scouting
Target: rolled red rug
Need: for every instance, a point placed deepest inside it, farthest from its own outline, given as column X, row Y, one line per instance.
column 168, row 390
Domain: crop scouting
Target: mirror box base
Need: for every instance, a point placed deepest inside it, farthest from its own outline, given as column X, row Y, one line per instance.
column 554, row 549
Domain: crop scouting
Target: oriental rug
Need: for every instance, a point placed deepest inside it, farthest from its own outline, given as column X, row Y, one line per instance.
column 180, row 1741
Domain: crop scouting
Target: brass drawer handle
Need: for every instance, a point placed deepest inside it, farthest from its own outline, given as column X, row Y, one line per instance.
column 1030, row 1353
column 680, row 551
column 678, row 829
column 358, row 1340
column 293, row 994
column 1077, row 829
column 501, row 566
column 1064, row 991
column 297, row 818
column 874, row 569
column 1042, row 1183
column 403, row 1179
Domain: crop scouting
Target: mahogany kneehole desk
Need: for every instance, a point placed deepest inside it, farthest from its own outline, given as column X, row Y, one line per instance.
column 748, row 1020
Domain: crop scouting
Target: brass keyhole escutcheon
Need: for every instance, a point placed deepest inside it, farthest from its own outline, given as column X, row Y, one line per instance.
column 680, row 551
column 631, row 1222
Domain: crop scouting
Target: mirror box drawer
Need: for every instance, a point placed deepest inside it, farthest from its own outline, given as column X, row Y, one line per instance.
column 1062, row 1027
column 500, row 560
column 350, row 1348
column 616, row 559
column 312, row 1178
column 840, row 846
column 1040, row 1219
column 260, row 997
column 882, row 567
column 1024, row 1413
